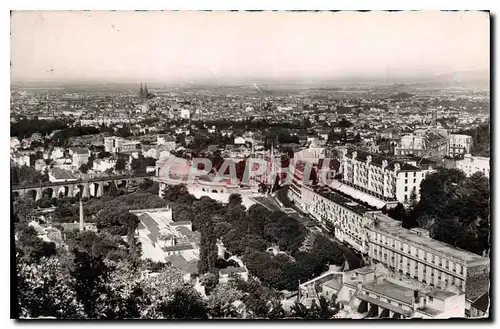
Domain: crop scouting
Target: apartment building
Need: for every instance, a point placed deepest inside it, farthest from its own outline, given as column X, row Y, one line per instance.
column 383, row 178
column 470, row 165
column 340, row 213
column 413, row 254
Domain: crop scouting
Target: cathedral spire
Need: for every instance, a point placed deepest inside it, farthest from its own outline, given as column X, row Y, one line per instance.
column 141, row 92
column 146, row 93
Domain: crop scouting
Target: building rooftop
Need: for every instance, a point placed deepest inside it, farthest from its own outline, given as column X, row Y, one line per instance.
column 335, row 284
column 386, row 305
column 182, row 222
column 59, row 173
column 343, row 200
column 179, row 247
column 440, row 294
column 181, row 263
column 378, row 160
column 391, row 290
column 393, row 227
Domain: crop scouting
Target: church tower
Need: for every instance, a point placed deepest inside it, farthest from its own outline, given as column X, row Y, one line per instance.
column 146, row 93
column 141, row 92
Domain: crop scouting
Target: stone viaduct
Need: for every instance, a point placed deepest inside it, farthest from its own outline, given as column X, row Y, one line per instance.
column 85, row 188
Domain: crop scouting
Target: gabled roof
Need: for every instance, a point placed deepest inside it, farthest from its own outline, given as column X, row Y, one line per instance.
column 59, row 173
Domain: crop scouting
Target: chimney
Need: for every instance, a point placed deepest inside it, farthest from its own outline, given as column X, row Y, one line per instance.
column 81, row 217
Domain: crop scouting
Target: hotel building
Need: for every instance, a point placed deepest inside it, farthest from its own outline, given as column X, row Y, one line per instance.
column 382, row 178
column 412, row 254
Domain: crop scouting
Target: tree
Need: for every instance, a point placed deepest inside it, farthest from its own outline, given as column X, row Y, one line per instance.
column 121, row 164
column 33, row 247
column 90, row 275
column 84, row 168
column 234, row 199
column 45, row 290
column 298, row 310
column 208, row 247
column 327, row 251
column 276, row 311
column 209, row 281
column 221, row 299
column 186, row 304
column 454, row 208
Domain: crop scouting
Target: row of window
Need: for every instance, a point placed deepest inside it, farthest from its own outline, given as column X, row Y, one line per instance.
column 419, row 253
column 406, row 270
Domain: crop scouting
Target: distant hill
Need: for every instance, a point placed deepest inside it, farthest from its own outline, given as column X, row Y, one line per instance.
column 464, row 78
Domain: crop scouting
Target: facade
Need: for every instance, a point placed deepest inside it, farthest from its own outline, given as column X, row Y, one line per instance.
column 414, row 255
column 185, row 114
column 80, row 157
column 471, row 165
column 117, row 144
column 425, row 143
column 459, row 145
column 343, row 215
column 385, row 179
column 101, row 165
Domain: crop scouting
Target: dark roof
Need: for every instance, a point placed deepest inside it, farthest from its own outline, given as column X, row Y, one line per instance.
column 182, row 222
column 81, row 150
column 344, row 201
column 483, row 302
column 180, row 262
column 151, row 225
column 377, row 160
column 476, row 286
column 179, row 247
column 59, row 173
column 433, row 137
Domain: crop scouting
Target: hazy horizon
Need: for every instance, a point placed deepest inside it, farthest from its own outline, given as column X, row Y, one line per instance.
column 162, row 47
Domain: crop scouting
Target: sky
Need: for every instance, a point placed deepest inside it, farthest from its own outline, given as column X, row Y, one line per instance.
column 162, row 46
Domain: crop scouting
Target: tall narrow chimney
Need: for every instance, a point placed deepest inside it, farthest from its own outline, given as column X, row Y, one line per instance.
column 81, row 217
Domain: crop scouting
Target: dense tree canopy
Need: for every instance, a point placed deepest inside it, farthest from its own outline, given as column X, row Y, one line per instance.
column 454, row 208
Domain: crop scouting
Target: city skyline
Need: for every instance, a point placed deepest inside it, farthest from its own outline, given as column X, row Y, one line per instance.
column 183, row 46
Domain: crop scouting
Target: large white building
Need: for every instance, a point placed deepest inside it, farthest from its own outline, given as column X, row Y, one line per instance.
column 162, row 237
column 471, row 165
column 120, row 145
column 185, row 114
column 410, row 256
column 382, row 178
column 414, row 255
